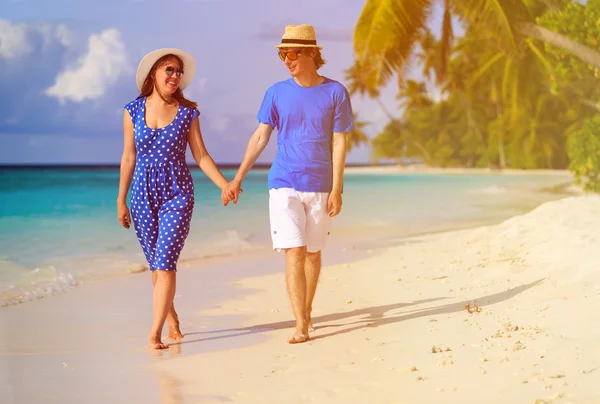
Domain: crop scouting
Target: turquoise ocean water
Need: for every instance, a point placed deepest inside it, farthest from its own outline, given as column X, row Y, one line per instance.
column 58, row 226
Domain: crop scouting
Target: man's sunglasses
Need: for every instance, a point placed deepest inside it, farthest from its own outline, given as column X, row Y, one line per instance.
column 291, row 55
column 170, row 70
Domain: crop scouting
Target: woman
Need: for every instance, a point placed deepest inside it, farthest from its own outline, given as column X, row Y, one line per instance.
column 158, row 125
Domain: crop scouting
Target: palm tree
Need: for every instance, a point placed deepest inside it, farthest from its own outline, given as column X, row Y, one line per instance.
column 357, row 136
column 387, row 31
column 361, row 82
column 414, row 94
column 430, row 56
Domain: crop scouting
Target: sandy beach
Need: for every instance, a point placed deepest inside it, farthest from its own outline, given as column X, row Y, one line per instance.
column 500, row 313
column 497, row 314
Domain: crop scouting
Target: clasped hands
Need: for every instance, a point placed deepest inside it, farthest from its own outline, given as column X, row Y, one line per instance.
column 231, row 192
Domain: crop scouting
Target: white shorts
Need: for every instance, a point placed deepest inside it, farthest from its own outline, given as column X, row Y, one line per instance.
column 299, row 219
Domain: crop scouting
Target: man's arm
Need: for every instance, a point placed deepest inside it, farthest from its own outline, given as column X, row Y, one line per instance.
column 338, row 158
column 257, row 143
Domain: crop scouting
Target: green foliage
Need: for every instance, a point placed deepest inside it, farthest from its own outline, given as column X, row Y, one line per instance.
column 497, row 111
column 507, row 101
column 357, row 136
column 584, row 151
column 580, row 23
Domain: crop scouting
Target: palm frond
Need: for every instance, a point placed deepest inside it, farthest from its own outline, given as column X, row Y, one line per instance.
column 445, row 42
column 498, row 17
column 386, row 33
column 537, row 52
column 483, row 69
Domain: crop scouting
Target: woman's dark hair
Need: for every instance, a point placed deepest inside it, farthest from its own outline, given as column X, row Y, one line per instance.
column 149, row 82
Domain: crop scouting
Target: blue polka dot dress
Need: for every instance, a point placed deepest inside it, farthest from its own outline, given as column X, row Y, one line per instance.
column 162, row 192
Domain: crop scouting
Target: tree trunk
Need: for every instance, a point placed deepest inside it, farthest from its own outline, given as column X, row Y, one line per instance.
column 590, row 104
column 501, row 155
column 424, row 152
column 471, row 122
column 385, row 110
column 563, row 42
column 553, row 5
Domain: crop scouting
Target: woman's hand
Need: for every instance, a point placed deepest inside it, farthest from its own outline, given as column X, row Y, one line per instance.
column 123, row 214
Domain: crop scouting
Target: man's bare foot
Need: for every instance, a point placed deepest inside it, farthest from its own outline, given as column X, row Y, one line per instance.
column 298, row 338
column 310, row 324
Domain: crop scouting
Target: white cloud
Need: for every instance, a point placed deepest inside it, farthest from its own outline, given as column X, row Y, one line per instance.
column 200, row 82
column 13, row 40
column 103, row 64
column 64, row 35
column 219, row 124
column 195, row 88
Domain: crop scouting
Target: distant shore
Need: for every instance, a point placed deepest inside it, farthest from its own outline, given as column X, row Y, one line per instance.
column 350, row 168
column 398, row 169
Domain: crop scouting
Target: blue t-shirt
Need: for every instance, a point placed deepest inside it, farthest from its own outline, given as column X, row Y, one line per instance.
column 306, row 118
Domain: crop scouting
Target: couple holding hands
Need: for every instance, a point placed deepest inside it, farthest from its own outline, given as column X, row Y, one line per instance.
column 312, row 115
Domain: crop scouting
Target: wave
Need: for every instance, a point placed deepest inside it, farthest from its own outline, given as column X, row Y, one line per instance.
column 19, row 284
column 35, row 284
column 490, row 190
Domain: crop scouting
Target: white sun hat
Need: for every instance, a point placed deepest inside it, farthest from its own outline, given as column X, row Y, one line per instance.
column 189, row 66
column 299, row 36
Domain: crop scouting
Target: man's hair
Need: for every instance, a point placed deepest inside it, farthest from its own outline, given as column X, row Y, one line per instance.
column 319, row 61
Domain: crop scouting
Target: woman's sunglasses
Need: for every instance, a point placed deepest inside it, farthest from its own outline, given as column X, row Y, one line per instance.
column 291, row 55
column 170, row 70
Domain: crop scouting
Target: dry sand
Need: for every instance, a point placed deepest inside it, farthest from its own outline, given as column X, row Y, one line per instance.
column 498, row 314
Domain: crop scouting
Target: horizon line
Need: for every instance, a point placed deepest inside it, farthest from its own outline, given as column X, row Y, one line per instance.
column 117, row 165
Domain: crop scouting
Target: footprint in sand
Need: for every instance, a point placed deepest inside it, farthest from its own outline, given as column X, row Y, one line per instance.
column 438, row 349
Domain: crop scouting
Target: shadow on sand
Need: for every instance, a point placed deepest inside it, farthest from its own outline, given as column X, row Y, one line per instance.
column 372, row 316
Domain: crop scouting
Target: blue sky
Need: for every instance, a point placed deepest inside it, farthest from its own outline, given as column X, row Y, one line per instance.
column 68, row 68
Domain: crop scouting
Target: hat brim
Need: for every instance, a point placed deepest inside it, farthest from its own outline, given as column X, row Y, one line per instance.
column 189, row 65
column 297, row 45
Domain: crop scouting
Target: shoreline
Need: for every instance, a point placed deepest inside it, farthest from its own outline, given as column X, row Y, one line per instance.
column 371, row 234
column 97, row 330
column 350, row 168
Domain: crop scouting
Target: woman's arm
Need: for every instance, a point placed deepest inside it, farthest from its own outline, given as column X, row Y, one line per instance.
column 127, row 168
column 203, row 159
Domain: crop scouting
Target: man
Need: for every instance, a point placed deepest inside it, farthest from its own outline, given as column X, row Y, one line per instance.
column 313, row 115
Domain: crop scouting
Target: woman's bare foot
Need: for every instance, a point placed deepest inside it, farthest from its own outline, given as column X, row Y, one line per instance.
column 174, row 333
column 154, row 342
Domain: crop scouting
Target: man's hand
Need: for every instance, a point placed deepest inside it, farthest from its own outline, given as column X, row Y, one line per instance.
column 231, row 192
column 334, row 203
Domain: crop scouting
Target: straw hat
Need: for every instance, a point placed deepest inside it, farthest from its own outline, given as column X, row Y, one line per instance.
column 189, row 66
column 299, row 36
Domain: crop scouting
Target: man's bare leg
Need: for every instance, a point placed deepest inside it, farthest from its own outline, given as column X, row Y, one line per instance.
column 172, row 318
column 296, row 286
column 162, row 302
column 312, row 270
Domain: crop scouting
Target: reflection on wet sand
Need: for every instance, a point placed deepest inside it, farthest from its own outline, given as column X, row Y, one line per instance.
column 169, row 387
